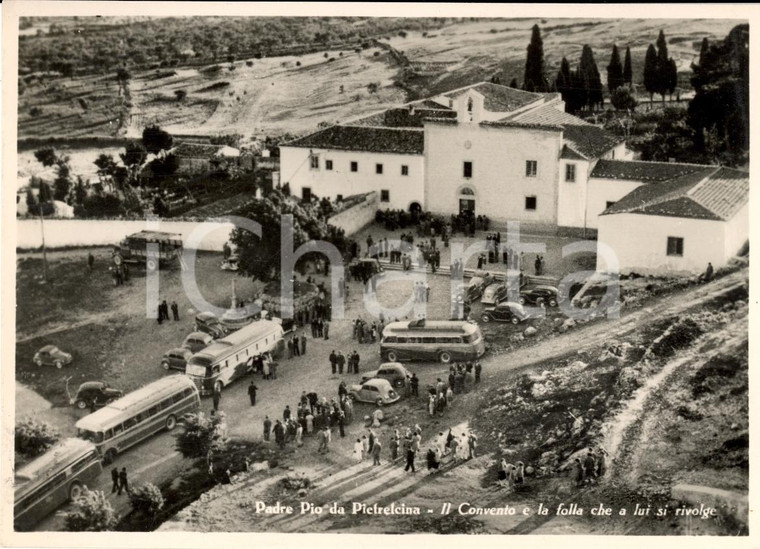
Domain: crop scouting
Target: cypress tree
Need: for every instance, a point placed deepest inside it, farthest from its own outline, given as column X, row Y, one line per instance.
column 663, row 65
column 703, row 50
column 627, row 67
column 513, row 83
column 534, row 63
column 615, row 71
column 563, row 83
column 672, row 81
column 650, row 72
column 662, row 48
column 591, row 80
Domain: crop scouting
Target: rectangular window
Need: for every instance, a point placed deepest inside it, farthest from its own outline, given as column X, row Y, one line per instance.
column 610, row 203
column 354, row 166
column 570, row 173
column 385, row 195
column 379, row 169
column 530, row 202
column 328, row 164
column 675, row 246
column 531, row 168
column 468, row 169
column 314, row 162
column 404, row 169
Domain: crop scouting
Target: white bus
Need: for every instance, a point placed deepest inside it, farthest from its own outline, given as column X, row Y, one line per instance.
column 231, row 357
column 52, row 479
column 139, row 415
column 441, row 340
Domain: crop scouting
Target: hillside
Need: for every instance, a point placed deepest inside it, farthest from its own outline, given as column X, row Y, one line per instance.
column 293, row 94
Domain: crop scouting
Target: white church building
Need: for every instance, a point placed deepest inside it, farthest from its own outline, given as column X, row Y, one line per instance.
column 506, row 153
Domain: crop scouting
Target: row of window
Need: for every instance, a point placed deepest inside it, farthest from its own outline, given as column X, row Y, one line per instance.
column 354, row 166
column 429, row 339
column 57, row 480
column 145, row 414
column 531, row 168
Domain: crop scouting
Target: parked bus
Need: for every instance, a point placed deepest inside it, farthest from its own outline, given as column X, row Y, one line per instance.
column 231, row 357
column 139, row 415
column 134, row 248
column 52, row 479
column 441, row 340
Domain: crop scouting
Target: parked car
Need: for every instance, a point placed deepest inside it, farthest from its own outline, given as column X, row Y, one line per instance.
column 477, row 284
column 50, row 355
column 507, row 311
column 197, row 341
column 540, row 296
column 394, row 372
column 176, row 358
column 377, row 391
column 232, row 263
column 209, row 323
column 96, row 393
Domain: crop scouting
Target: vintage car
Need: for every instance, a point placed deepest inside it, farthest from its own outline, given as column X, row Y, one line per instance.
column 96, row 393
column 176, row 358
column 394, row 372
column 50, row 355
column 507, row 311
column 477, row 284
column 197, row 341
column 377, row 391
column 209, row 323
column 499, row 290
column 541, row 296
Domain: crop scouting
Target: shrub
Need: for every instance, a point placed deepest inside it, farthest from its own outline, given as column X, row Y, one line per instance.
column 376, row 54
column 180, row 94
column 249, row 63
column 35, row 111
column 298, row 63
column 200, row 435
column 92, row 513
column 33, row 438
column 146, row 498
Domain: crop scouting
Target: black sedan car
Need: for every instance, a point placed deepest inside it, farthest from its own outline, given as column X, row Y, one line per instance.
column 540, row 296
column 505, row 312
column 96, row 393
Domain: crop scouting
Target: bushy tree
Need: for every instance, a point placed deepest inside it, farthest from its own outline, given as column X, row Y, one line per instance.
column 163, row 169
column 31, row 200
column 100, row 205
column 133, row 157
column 45, row 195
column 92, row 513
column 201, row 434
column 534, row 80
column 155, row 140
column 615, row 77
column 628, row 67
column 33, row 437
column 46, row 156
column 80, row 191
column 180, row 94
column 62, row 183
column 721, row 102
column 623, row 99
column 146, row 498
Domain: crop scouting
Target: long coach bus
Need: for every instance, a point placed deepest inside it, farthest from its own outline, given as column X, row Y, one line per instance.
column 229, row 358
column 440, row 340
column 52, row 479
column 139, row 415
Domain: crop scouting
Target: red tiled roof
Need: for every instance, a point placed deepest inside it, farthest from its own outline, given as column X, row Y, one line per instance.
column 642, row 171
column 403, row 118
column 364, row 138
column 708, row 193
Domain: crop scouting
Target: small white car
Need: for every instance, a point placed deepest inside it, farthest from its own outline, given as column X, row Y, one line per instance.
column 377, row 391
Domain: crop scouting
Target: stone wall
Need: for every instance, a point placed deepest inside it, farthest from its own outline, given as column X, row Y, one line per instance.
column 357, row 217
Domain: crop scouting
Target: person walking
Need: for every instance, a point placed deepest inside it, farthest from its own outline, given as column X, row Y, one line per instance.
column 324, row 440
column 376, row 448
column 472, row 443
column 299, row 435
column 589, row 466
column 160, row 316
column 279, row 434
column 341, row 362
column 165, row 307
column 267, row 428
column 123, row 483
column 327, row 330
column 265, row 371
column 342, row 424
column 90, row 260
column 333, row 362
column 115, row 479
column 217, row 396
column 252, row 393
column 578, row 473
column 394, row 449
column 358, row 451
column 175, row 310
column 303, row 344
column 478, row 369
column 365, row 447
column 410, row 460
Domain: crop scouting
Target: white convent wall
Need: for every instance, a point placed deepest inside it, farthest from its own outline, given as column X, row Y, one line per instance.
column 499, row 157
column 737, row 232
column 640, row 243
column 601, row 191
column 571, row 199
column 295, row 168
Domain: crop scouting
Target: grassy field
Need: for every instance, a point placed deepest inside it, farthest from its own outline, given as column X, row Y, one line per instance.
column 278, row 95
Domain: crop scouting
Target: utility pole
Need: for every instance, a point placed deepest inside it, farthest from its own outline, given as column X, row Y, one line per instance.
column 44, row 253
